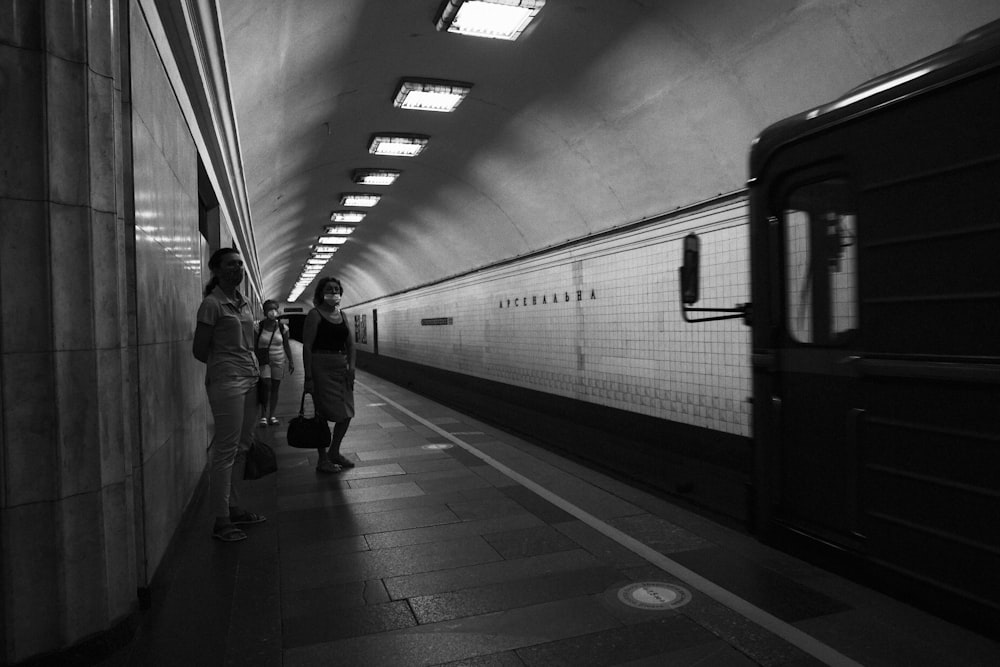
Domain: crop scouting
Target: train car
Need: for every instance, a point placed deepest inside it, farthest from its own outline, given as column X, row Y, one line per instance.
column 875, row 272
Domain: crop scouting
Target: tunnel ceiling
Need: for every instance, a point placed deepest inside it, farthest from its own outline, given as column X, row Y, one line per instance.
column 602, row 113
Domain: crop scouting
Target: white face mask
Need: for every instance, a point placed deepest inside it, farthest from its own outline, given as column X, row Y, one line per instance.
column 272, row 314
column 332, row 299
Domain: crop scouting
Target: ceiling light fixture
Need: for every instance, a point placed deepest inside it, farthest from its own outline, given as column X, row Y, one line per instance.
column 375, row 176
column 361, row 199
column 497, row 19
column 398, row 145
column 430, row 94
column 341, row 230
column 333, row 240
column 347, row 216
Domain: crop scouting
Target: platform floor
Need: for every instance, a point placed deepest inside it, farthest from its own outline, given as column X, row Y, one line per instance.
column 454, row 543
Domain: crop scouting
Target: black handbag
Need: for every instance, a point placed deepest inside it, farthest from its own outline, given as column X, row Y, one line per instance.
column 308, row 432
column 261, row 461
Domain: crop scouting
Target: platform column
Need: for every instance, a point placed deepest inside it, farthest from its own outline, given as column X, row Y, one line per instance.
column 67, row 407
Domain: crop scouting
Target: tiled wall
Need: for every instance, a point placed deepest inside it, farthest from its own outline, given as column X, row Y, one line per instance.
column 598, row 322
column 173, row 407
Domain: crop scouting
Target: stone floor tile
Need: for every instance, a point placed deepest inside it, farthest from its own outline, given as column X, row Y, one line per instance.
column 454, row 640
column 659, row 534
column 386, row 563
column 512, row 594
column 316, row 628
column 534, row 541
column 452, row 531
column 614, row 645
column 506, row 570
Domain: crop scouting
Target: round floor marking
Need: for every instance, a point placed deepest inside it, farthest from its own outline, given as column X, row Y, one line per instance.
column 653, row 595
column 438, row 445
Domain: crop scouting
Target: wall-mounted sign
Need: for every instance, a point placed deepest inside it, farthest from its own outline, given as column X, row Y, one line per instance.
column 436, row 321
column 547, row 299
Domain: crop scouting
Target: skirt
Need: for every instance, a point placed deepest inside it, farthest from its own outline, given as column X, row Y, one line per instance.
column 333, row 396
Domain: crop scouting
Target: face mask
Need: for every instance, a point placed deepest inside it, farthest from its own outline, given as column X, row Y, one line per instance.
column 332, row 299
column 234, row 276
column 272, row 314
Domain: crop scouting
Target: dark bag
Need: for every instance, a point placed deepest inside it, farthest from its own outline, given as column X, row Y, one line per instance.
column 308, row 432
column 260, row 461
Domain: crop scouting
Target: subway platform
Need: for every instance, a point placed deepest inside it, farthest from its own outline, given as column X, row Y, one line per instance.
column 454, row 543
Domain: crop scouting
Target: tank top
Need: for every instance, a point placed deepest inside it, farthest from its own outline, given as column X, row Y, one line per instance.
column 331, row 337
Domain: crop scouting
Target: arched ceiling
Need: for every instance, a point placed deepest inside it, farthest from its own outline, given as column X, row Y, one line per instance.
column 603, row 113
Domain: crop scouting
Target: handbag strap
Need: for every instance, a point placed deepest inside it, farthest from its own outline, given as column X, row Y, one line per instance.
column 302, row 405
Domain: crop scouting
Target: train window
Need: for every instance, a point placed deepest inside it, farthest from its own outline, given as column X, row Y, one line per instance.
column 821, row 263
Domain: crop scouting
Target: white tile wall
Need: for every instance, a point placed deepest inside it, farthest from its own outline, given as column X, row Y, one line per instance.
column 599, row 322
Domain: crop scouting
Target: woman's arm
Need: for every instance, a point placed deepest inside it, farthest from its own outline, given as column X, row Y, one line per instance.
column 351, row 351
column 202, row 341
column 288, row 348
column 308, row 336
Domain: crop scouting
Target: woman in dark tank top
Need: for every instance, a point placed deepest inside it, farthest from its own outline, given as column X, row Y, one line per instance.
column 328, row 359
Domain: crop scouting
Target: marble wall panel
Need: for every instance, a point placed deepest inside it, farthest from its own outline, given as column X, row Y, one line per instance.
column 111, row 428
column 65, row 35
column 101, row 44
column 106, row 271
column 85, row 576
column 68, row 152
column 103, row 142
column 119, row 548
column 72, row 299
column 167, row 488
column 21, row 24
column 77, row 408
column 22, row 127
column 32, row 594
column 31, row 462
column 24, row 326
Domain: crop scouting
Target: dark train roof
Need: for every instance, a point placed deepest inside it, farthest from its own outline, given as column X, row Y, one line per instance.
column 979, row 50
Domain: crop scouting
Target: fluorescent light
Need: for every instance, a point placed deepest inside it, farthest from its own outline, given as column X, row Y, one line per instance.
column 317, row 261
column 359, row 199
column 497, row 19
column 347, row 216
column 430, row 95
column 375, row 176
column 399, row 145
column 339, row 229
column 333, row 240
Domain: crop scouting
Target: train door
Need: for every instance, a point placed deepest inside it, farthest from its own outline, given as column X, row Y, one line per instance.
column 816, row 383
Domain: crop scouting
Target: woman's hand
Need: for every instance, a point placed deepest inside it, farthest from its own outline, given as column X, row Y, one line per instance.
column 291, row 368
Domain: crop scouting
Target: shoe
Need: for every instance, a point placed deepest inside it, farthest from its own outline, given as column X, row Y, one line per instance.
column 262, row 422
column 246, row 518
column 342, row 460
column 328, row 466
column 272, row 420
column 227, row 532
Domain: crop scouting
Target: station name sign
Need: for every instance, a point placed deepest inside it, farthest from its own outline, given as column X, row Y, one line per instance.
column 546, row 299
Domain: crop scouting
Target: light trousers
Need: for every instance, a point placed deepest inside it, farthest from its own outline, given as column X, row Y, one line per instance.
column 234, row 407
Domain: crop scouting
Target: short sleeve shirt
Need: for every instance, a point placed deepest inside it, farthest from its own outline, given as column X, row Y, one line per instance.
column 230, row 353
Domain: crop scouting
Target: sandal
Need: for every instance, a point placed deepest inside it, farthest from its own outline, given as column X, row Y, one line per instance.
column 245, row 518
column 272, row 420
column 227, row 532
column 342, row 460
column 328, row 466
column 262, row 422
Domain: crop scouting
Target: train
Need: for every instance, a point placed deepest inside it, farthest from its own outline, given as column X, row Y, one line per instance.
column 875, row 327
